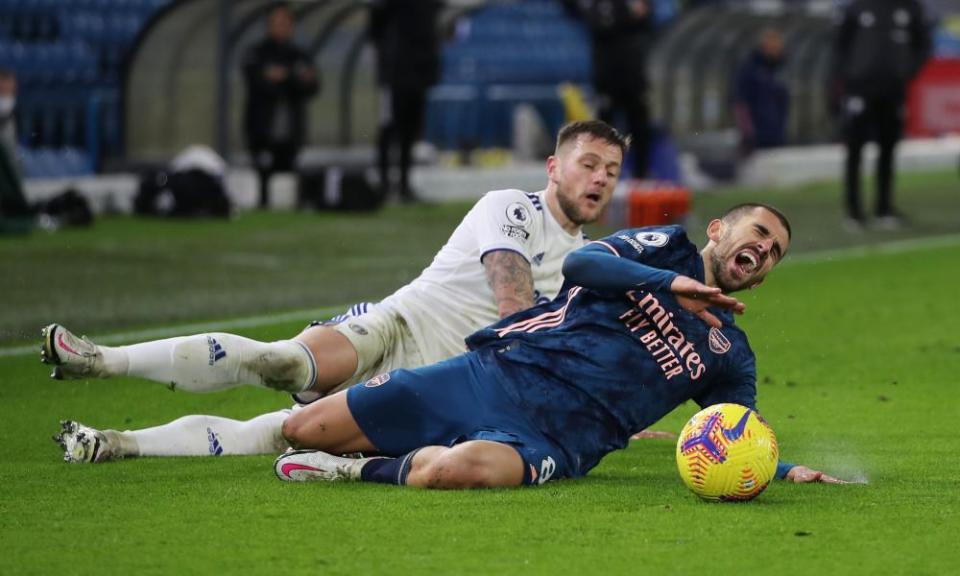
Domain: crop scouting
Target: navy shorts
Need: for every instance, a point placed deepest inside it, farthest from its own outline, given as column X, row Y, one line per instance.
column 446, row 404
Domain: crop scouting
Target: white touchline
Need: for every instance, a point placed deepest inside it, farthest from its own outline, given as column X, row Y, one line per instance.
column 891, row 247
column 199, row 327
column 818, row 257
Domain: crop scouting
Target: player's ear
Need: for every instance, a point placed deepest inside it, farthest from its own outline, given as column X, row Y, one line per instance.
column 552, row 162
column 714, row 229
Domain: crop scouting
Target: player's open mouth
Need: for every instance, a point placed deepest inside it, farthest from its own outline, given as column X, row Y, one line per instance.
column 747, row 261
column 594, row 197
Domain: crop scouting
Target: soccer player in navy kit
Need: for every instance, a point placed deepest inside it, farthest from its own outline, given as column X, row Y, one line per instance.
column 506, row 255
column 643, row 323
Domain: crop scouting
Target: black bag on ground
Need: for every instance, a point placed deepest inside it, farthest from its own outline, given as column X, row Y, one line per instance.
column 67, row 209
column 186, row 194
column 335, row 188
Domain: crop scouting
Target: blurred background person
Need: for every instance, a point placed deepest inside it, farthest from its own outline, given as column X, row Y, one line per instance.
column 8, row 105
column 15, row 215
column 621, row 37
column 280, row 79
column 407, row 42
column 880, row 47
column 762, row 100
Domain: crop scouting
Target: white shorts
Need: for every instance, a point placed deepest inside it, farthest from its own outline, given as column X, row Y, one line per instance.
column 383, row 342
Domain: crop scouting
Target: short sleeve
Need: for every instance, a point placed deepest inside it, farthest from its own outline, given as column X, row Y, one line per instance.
column 655, row 246
column 507, row 220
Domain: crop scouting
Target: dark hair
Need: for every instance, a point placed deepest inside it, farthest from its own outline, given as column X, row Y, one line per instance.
column 281, row 5
column 595, row 128
column 734, row 214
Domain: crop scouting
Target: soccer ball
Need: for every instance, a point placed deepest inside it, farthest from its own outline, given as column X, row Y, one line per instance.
column 727, row 452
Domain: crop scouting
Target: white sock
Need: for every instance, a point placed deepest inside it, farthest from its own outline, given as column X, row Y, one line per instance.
column 115, row 359
column 217, row 361
column 201, row 435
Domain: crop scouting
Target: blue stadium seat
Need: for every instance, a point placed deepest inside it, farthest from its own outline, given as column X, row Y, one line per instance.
column 76, row 161
column 531, row 46
column 22, row 61
column 945, row 44
column 28, row 162
column 67, row 55
column 47, row 163
column 92, row 26
column 50, row 162
column 453, row 116
column 102, row 6
column 84, row 64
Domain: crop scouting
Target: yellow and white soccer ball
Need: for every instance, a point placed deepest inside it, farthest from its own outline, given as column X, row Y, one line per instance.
column 727, row 452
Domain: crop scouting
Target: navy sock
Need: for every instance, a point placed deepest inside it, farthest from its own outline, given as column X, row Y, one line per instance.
column 388, row 470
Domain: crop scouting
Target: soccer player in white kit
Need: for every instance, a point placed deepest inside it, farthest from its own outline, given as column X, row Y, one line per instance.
column 505, row 256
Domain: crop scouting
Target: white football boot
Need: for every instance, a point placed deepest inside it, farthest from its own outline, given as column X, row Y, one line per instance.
column 72, row 357
column 313, row 465
column 83, row 444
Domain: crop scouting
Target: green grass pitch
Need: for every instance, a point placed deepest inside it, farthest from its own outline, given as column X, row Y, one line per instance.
column 858, row 359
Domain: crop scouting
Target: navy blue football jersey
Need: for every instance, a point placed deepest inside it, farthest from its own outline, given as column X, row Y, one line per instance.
column 594, row 366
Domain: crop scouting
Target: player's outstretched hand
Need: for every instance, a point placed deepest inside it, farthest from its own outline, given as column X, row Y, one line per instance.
column 696, row 297
column 804, row 475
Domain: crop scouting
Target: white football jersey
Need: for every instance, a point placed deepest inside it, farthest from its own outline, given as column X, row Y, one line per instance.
column 451, row 299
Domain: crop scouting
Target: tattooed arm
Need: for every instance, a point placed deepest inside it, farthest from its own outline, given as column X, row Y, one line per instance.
column 511, row 280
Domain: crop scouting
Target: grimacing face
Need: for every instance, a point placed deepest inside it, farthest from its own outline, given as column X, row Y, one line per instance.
column 746, row 249
column 585, row 172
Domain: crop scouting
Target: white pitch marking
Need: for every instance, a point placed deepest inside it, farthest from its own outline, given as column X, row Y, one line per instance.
column 820, row 256
column 195, row 328
column 891, row 247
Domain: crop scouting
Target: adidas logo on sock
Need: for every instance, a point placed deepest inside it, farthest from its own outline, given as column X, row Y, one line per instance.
column 215, row 448
column 216, row 351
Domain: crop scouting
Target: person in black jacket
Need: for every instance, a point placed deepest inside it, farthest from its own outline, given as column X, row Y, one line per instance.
column 620, row 32
column 407, row 42
column 762, row 99
column 280, row 79
column 880, row 47
column 15, row 214
column 8, row 107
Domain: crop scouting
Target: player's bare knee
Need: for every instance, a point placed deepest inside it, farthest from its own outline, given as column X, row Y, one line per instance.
column 334, row 355
column 295, row 429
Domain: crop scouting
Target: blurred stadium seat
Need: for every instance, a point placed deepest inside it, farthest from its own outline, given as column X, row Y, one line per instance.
column 67, row 55
column 505, row 55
